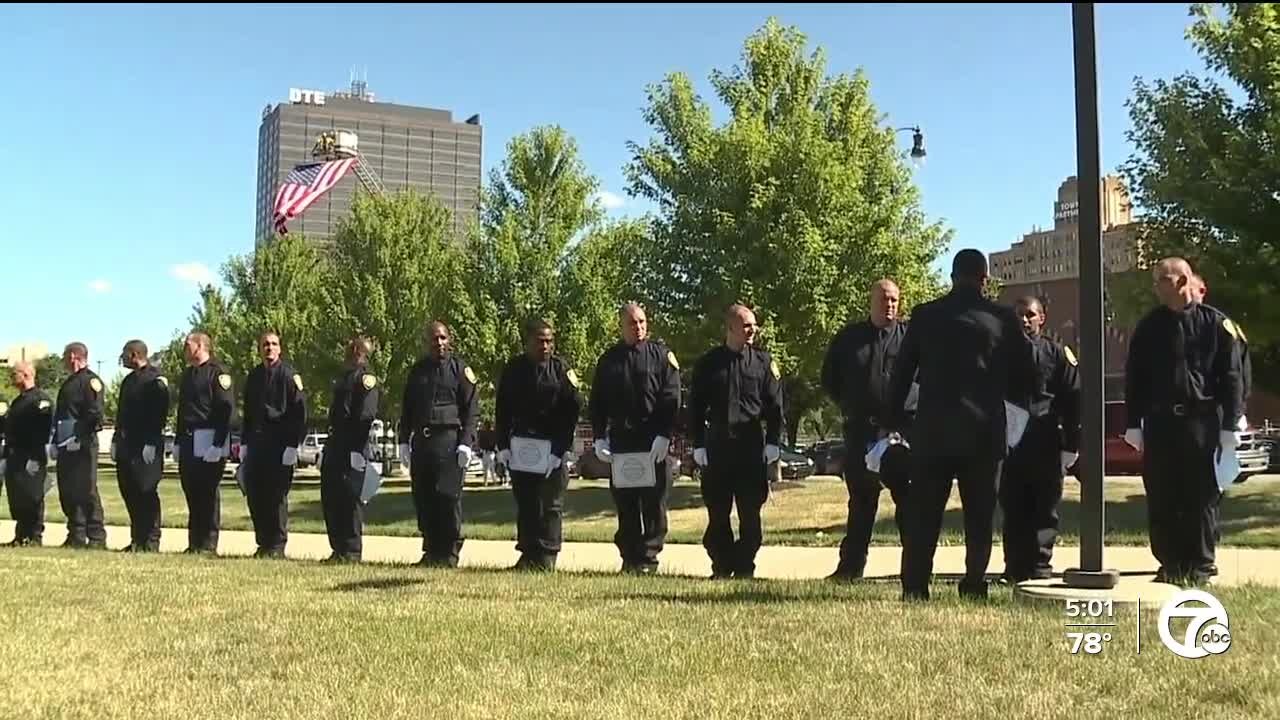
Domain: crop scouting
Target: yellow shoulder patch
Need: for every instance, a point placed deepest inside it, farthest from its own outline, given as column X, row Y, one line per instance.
column 369, row 381
column 471, row 374
column 573, row 378
column 163, row 380
column 4, row 408
column 297, row 380
column 1231, row 328
column 45, row 405
column 95, row 384
column 1071, row 356
column 773, row 368
column 671, row 358
column 224, row 380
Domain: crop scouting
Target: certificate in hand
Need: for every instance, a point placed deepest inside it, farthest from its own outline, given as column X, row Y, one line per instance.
column 530, row 455
column 634, row 470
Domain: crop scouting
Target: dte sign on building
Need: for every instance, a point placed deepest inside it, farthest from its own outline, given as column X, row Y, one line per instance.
column 306, row 97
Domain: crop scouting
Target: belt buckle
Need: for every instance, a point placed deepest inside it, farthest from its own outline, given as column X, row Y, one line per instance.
column 426, row 432
column 1179, row 409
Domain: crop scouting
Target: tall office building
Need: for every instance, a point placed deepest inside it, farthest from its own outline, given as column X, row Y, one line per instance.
column 407, row 147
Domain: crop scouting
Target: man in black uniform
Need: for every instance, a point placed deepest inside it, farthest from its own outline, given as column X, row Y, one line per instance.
column 538, row 401
column 351, row 414
column 855, row 374
column 275, row 424
column 1031, row 486
column 736, row 391
column 205, row 406
column 1246, row 363
column 437, row 429
column 77, row 420
column 1183, row 397
column 26, row 422
column 138, row 445
column 971, row 357
column 634, row 400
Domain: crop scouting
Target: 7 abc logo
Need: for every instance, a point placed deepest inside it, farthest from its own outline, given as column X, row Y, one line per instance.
column 1207, row 631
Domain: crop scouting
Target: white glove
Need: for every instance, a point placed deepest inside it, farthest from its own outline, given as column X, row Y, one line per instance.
column 552, row 464
column 148, row 454
column 771, row 454
column 73, row 445
column 464, row 456
column 504, row 457
column 658, row 452
column 113, row 452
column 1229, row 439
column 357, row 461
column 214, row 454
column 1243, row 424
column 601, row 448
column 406, row 453
column 700, row 456
column 1133, row 437
column 290, row 456
column 1068, row 459
column 33, row 467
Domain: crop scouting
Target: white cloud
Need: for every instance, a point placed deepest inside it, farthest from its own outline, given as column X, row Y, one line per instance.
column 194, row 273
column 609, row 200
column 100, row 286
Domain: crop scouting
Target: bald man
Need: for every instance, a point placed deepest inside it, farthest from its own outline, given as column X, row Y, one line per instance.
column 27, row 420
column 735, row 413
column 855, row 375
column 1184, row 397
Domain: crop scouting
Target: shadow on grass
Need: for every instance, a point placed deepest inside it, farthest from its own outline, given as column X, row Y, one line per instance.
column 387, row 583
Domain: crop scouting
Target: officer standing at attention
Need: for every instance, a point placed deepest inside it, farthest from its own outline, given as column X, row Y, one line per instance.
column 77, row 420
column 205, row 406
column 275, row 424
column 971, row 356
column 138, row 445
column 736, row 391
column 351, row 414
column 1246, row 364
column 855, row 374
column 1184, row 399
column 538, row 400
column 634, row 400
column 1031, row 485
column 437, row 429
column 26, row 423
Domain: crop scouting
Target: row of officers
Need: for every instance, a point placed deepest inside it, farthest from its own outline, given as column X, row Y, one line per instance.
column 934, row 390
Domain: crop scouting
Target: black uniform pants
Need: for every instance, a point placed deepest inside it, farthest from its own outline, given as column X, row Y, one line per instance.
column 78, row 494
column 864, row 496
column 1178, row 459
column 437, row 495
column 340, row 488
column 139, row 483
column 26, row 498
column 1030, row 492
column 931, row 478
column 736, row 474
column 539, row 515
column 267, row 483
column 642, row 520
column 200, row 481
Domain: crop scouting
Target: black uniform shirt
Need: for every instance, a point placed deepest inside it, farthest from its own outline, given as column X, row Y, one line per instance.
column 143, row 408
column 538, row 400
column 205, row 401
column 27, row 425
column 1188, row 357
column 635, row 395
column 441, row 394
column 858, row 367
column 275, row 408
column 354, row 408
column 733, row 388
column 80, row 399
column 1056, row 391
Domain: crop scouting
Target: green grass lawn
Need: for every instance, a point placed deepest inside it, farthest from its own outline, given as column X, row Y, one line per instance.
column 100, row 635
column 809, row 512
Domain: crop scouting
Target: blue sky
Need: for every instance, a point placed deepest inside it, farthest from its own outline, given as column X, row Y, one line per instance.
column 131, row 134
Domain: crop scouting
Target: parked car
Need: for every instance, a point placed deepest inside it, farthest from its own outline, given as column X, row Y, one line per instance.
column 827, row 457
column 794, row 465
column 312, row 445
column 235, row 447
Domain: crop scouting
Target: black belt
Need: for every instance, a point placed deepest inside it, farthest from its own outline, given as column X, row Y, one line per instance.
column 429, row 430
column 1186, row 409
column 750, row 428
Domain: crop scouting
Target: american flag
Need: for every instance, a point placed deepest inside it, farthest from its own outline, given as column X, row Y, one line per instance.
column 304, row 185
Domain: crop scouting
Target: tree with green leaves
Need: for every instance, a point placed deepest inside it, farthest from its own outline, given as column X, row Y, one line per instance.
column 1206, row 171
column 794, row 205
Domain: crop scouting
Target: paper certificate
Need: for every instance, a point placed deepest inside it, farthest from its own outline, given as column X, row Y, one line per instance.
column 529, row 455
column 634, row 470
column 371, row 482
column 65, row 430
column 1016, row 420
column 201, row 441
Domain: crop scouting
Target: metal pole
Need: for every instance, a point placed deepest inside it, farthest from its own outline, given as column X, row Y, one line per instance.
column 1090, row 470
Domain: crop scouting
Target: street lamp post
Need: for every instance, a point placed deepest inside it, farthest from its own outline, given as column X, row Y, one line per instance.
column 1091, row 469
column 917, row 143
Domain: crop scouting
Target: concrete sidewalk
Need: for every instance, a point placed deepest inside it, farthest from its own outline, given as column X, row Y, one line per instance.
column 1237, row 566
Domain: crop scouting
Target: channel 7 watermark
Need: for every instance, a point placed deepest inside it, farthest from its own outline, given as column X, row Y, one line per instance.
column 1193, row 624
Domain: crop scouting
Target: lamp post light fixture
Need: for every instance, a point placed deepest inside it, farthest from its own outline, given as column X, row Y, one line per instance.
column 917, row 144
